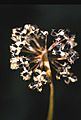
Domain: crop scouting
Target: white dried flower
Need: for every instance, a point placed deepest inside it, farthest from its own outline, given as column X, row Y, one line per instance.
column 32, row 56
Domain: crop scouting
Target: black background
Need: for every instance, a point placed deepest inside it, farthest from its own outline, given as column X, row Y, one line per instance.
column 17, row 101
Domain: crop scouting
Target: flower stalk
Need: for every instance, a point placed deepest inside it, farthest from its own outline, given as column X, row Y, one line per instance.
column 51, row 95
column 51, row 102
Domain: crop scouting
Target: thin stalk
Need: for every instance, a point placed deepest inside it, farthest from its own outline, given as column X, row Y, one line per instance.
column 55, row 44
column 51, row 95
column 51, row 102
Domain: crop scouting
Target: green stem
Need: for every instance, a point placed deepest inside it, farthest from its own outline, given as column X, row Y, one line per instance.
column 51, row 102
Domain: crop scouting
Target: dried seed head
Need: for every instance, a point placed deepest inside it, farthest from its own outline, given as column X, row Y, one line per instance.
column 29, row 53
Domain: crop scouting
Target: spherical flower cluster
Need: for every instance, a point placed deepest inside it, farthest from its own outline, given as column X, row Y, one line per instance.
column 30, row 54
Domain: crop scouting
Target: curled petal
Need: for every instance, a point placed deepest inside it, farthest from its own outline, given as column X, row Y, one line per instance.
column 26, row 74
column 14, row 66
column 35, row 85
column 14, row 63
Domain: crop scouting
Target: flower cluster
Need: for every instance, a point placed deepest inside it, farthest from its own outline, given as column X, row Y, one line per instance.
column 40, row 78
column 63, row 54
column 30, row 54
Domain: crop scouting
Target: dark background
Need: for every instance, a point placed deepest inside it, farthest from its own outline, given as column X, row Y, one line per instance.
column 17, row 102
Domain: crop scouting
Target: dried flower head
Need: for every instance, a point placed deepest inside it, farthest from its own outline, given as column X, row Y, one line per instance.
column 30, row 54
